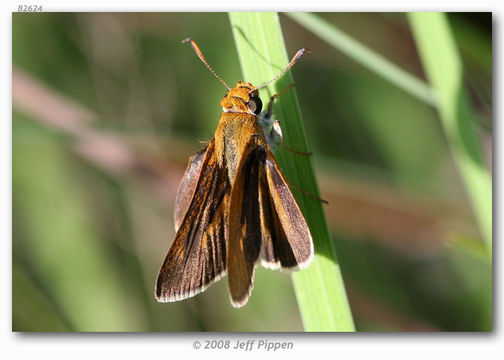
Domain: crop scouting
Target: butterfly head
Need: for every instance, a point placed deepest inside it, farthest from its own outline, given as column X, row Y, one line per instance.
column 243, row 98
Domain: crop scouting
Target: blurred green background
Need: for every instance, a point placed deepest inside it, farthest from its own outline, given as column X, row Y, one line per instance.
column 107, row 109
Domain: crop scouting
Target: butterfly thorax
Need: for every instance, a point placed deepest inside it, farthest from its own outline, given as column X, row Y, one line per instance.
column 238, row 128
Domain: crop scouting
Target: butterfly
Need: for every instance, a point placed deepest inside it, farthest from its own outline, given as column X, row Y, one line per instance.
column 234, row 208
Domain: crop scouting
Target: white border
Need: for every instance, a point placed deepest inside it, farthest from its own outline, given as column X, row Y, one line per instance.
column 150, row 346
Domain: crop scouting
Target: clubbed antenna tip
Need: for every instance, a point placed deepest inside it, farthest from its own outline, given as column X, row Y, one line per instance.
column 294, row 59
column 202, row 58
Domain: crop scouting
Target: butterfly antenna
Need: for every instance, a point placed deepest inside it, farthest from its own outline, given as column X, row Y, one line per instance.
column 202, row 58
column 295, row 58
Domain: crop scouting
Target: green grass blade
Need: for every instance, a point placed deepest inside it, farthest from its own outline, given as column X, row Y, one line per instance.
column 319, row 289
column 443, row 66
column 365, row 56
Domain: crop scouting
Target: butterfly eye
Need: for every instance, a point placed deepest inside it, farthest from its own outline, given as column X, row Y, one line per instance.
column 255, row 104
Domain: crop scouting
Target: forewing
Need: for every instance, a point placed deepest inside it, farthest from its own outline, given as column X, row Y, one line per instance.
column 276, row 251
column 197, row 256
column 286, row 238
column 187, row 186
column 244, row 243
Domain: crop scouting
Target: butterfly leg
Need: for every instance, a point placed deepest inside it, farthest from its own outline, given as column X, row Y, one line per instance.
column 307, row 193
column 282, row 144
column 271, row 128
